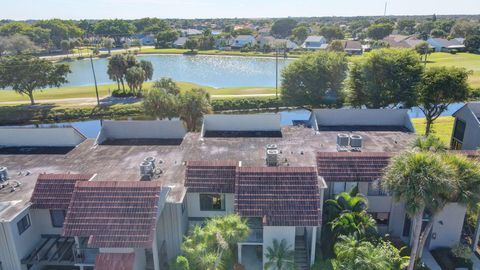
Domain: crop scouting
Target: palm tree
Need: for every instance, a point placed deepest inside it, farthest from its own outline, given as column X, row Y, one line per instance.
column 160, row 104
column 359, row 224
column 364, row 255
column 117, row 68
column 352, row 201
column 193, row 105
column 280, row 256
column 418, row 179
column 429, row 143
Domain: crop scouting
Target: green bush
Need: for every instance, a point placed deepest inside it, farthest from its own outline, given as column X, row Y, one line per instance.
column 448, row 261
column 453, row 51
column 246, row 103
column 180, row 263
column 121, row 93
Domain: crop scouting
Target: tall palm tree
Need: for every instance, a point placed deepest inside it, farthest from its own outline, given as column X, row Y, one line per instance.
column 417, row 179
column 193, row 105
column 280, row 256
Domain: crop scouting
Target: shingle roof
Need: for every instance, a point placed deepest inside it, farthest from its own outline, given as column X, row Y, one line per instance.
column 54, row 191
column 216, row 176
column 352, row 166
column 282, row 196
column 117, row 261
column 114, row 214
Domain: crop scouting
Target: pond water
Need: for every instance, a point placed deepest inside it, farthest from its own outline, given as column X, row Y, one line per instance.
column 214, row 71
column 91, row 128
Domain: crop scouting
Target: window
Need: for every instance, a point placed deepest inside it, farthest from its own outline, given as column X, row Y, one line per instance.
column 57, row 217
column 212, row 202
column 339, row 187
column 23, row 224
column 407, row 224
column 458, row 134
column 382, row 218
column 375, row 190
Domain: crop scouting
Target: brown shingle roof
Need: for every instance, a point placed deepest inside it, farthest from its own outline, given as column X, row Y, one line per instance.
column 114, row 214
column 282, row 196
column 352, row 166
column 117, row 261
column 54, row 191
column 216, row 176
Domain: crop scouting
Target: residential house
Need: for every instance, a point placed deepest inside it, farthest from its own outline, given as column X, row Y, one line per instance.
column 314, row 42
column 445, row 45
column 190, row 32
column 242, row 41
column 56, row 205
column 180, row 42
column 466, row 129
column 352, row 47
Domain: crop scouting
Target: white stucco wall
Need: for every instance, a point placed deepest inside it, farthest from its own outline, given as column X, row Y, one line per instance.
column 42, row 220
column 171, row 227
column 193, row 206
column 448, row 225
column 246, row 122
column 40, row 137
column 363, row 117
column 19, row 246
column 277, row 232
column 158, row 129
column 471, row 139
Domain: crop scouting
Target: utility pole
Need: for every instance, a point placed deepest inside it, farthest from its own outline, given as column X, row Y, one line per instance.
column 95, row 80
column 385, row 10
column 276, row 73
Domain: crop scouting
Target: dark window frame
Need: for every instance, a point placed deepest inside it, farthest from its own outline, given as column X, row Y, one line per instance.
column 23, row 224
column 53, row 220
column 457, row 142
column 374, row 189
column 203, row 197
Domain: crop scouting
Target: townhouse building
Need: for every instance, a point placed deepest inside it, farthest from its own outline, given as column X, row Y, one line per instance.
column 127, row 198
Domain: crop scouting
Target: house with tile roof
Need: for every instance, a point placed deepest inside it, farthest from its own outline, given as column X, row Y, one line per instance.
column 152, row 180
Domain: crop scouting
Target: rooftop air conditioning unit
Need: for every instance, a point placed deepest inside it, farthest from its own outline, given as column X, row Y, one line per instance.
column 272, row 147
column 356, row 141
column 272, row 157
column 343, row 140
column 3, row 174
column 151, row 160
column 146, row 169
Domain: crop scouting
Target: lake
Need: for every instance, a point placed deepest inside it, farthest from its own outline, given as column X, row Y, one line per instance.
column 214, row 71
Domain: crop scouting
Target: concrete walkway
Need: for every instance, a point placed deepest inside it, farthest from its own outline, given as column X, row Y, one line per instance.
column 428, row 259
column 476, row 262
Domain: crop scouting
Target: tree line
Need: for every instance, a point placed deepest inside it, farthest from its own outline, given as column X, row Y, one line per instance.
column 383, row 78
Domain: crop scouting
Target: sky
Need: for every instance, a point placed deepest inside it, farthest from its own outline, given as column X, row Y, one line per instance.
column 133, row 9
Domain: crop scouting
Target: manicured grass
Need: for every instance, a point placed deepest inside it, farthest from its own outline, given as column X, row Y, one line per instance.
column 442, row 127
column 104, row 90
column 467, row 60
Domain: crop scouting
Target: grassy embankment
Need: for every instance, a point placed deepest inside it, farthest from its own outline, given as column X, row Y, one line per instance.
column 442, row 127
column 104, row 90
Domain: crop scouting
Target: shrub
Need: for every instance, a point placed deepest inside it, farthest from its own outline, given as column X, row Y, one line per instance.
column 121, row 93
column 180, row 263
column 462, row 251
column 253, row 103
column 453, row 51
column 448, row 261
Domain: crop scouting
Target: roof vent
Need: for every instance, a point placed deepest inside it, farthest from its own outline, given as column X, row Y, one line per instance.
column 272, row 157
column 3, row 174
column 343, row 141
column 151, row 160
column 356, row 142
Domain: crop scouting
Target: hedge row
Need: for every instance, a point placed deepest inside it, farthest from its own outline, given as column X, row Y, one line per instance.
column 25, row 114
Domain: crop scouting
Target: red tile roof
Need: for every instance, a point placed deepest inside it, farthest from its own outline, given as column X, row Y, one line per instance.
column 282, row 196
column 117, row 261
column 54, row 191
column 216, row 176
column 114, row 214
column 352, row 166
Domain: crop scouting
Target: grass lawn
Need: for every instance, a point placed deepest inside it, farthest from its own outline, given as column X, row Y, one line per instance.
column 442, row 127
column 467, row 60
column 89, row 91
